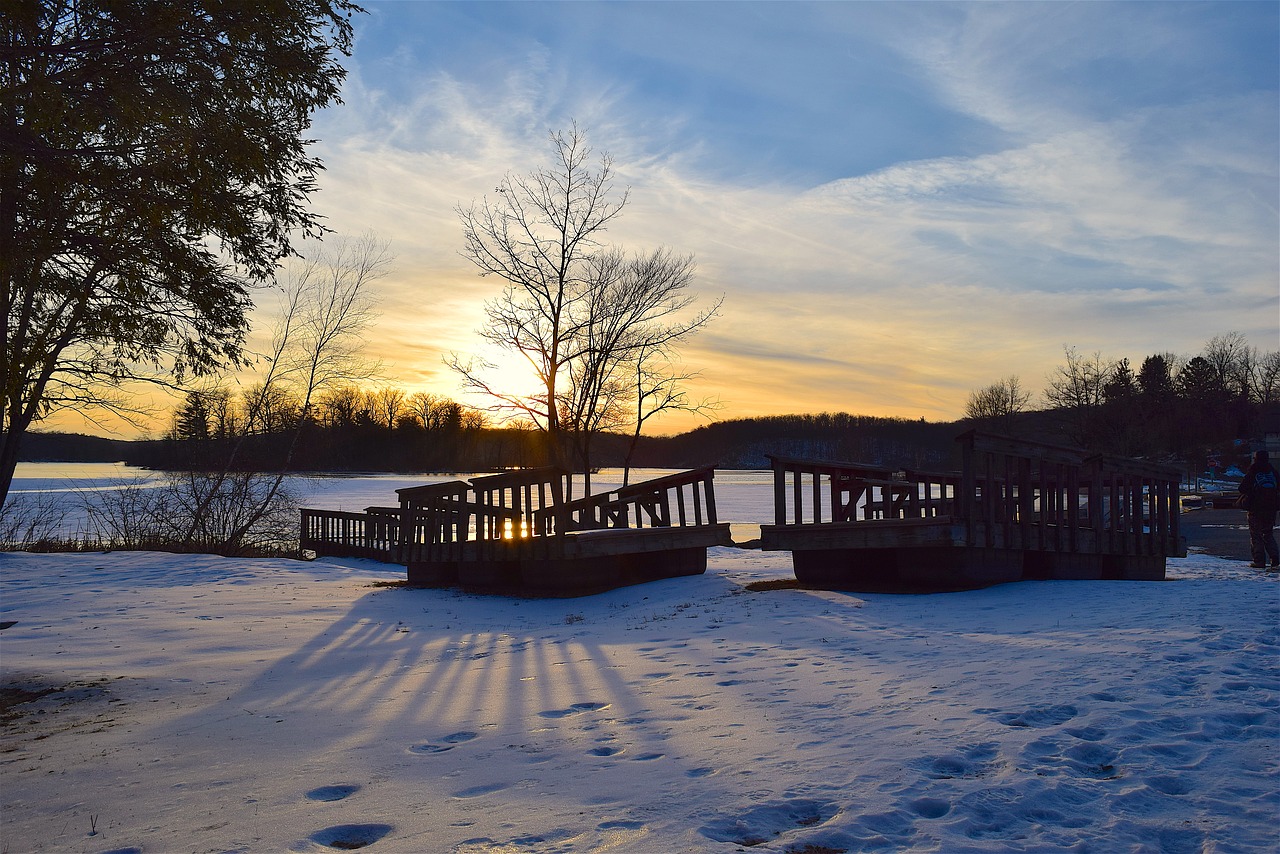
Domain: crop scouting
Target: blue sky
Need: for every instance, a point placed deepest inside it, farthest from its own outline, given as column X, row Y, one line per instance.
column 899, row 202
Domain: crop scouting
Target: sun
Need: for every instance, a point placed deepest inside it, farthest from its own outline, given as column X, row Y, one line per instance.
column 507, row 374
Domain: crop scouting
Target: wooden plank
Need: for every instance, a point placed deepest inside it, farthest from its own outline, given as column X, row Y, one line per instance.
column 877, row 534
column 779, row 496
column 665, row 482
column 519, row 477
column 431, row 490
column 617, row 541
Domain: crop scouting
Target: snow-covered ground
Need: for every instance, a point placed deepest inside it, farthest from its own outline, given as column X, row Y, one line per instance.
column 212, row 704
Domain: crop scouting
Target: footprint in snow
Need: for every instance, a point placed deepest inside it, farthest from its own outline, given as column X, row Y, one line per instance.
column 479, row 791
column 768, row 821
column 929, row 807
column 605, row 751
column 575, row 709
column 332, row 793
column 1039, row 716
column 348, row 837
column 447, row 743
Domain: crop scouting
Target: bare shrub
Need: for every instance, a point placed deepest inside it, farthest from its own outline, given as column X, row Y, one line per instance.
column 30, row 520
column 234, row 514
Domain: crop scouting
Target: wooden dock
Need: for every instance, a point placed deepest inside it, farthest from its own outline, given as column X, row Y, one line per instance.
column 1017, row 510
column 516, row 533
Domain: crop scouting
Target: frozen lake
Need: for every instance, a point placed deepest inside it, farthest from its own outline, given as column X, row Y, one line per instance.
column 743, row 498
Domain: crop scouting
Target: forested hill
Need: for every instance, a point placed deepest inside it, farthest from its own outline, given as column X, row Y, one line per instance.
column 744, row 443
column 73, row 448
column 738, row 443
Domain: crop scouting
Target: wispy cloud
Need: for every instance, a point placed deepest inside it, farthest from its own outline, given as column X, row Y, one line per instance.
column 899, row 202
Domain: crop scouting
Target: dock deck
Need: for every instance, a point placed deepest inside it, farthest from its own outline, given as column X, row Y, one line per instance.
column 1017, row 510
column 515, row 532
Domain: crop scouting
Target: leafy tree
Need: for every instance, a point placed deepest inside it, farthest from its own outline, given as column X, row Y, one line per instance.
column 191, row 421
column 1155, row 377
column 153, row 164
column 1121, row 387
column 1200, row 383
column 1156, row 404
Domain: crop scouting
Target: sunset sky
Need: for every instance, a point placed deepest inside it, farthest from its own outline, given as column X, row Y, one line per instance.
column 899, row 202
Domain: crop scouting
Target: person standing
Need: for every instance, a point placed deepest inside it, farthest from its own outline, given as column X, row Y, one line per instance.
column 1260, row 497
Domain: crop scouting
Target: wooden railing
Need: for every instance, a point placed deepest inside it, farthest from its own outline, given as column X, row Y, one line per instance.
column 437, row 516
column 1027, row 495
column 496, row 514
column 1009, row 494
column 372, row 535
column 816, row 492
column 682, row 499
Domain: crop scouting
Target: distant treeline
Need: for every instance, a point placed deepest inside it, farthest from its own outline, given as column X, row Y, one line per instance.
column 740, row 443
column 1194, row 425
column 746, row 443
column 73, row 448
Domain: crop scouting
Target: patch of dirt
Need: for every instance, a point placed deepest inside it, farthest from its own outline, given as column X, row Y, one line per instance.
column 29, row 698
column 779, row 584
column 11, row 697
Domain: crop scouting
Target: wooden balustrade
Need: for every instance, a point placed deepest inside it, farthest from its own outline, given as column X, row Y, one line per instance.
column 344, row 534
column 507, row 513
column 816, row 492
column 1016, row 509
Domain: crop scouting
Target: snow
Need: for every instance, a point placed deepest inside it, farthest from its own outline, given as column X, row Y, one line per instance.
column 200, row 703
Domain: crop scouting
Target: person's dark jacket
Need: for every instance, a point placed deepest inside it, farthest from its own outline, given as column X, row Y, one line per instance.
column 1258, row 488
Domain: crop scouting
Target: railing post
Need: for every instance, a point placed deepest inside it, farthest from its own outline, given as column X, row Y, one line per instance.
column 709, row 488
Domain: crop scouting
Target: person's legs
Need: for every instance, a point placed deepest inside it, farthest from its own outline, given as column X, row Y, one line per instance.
column 1269, row 538
column 1260, row 527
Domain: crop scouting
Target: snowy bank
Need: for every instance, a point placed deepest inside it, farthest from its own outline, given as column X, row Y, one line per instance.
column 200, row 703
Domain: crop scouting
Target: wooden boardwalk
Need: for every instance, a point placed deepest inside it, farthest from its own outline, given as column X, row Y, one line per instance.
column 515, row 532
column 1017, row 510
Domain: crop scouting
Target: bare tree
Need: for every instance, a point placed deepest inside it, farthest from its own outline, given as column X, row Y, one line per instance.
column 589, row 319
column 659, row 386
column 1000, row 401
column 539, row 235
column 636, row 311
column 436, row 412
column 1077, row 391
column 388, row 404
column 1080, row 382
column 1233, row 361
column 270, row 408
column 325, row 308
column 1265, row 380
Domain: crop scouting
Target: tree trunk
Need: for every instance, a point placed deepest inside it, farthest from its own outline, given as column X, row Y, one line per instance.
column 9, row 442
